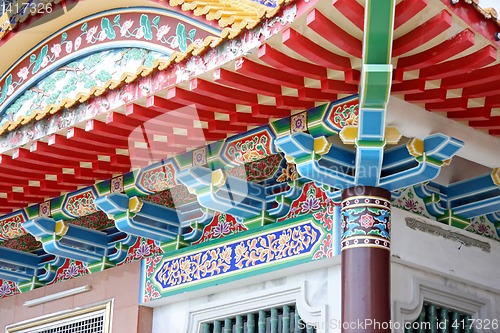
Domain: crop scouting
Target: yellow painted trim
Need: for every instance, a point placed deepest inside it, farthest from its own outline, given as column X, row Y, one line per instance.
column 61, row 228
column 349, row 134
column 218, row 178
column 495, row 176
column 321, row 145
column 392, row 135
column 415, row 147
column 135, row 204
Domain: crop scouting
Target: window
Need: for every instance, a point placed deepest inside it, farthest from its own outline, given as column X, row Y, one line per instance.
column 283, row 319
column 94, row 319
column 435, row 318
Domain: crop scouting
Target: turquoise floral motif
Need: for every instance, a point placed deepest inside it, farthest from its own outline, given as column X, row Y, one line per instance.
column 79, row 76
column 107, row 30
column 346, row 115
column 364, row 221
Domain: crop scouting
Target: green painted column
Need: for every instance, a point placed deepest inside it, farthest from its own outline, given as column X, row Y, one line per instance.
column 366, row 298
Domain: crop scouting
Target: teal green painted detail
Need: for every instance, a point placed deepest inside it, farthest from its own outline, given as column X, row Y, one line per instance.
column 375, row 88
column 32, row 211
column 379, row 24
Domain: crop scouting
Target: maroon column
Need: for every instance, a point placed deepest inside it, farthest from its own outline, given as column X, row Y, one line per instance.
column 366, row 296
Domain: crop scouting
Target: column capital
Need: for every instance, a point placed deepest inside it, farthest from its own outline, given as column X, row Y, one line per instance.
column 366, row 212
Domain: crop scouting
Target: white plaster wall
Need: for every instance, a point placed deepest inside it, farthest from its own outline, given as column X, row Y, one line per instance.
column 417, row 257
column 465, row 271
column 321, row 281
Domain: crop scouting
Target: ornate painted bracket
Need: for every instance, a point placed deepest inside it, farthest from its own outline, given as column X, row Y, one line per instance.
column 461, row 201
column 306, row 152
column 141, row 218
column 23, row 267
column 418, row 161
column 98, row 249
column 217, row 191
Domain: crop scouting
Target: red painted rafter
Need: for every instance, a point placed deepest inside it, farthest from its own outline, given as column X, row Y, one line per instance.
column 60, row 141
column 471, row 114
column 179, row 95
column 246, row 83
column 428, row 96
column 473, row 18
column 313, row 52
column 288, row 64
column 406, row 10
column 493, row 101
column 179, row 118
column 179, row 115
column 122, row 122
column 269, row 111
column 84, row 137
column 27, row 167
column 313, row 95
column 421, row 35
column 103, row 130
column 334, row 34
column 337, row 87
column 45, row 149
column 218, row 91
column 483, row 90
column 71, row 180
column 245, row 119
column 476, row 77
column 352, row 10
column 476, row 60
column 268, row 74
column 450, row 104
column 447, row 49
column 408, row 87
column 293, row 103
column 492, row 123
column 24, row 155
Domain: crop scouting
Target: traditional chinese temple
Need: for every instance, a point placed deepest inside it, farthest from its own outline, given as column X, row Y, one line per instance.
column 267, row 166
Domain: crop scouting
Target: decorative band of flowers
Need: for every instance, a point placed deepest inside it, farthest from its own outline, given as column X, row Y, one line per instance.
column 161, row 275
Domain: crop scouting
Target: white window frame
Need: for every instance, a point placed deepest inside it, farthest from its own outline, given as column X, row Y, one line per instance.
column 62, row 318
column 441, row 295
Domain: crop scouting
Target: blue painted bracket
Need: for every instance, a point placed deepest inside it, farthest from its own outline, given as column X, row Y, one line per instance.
column 405, row 166
column 466, row 199
column 433, row 200
column 23, row 267
column 78, row 243
column 219, row 192
column 306, row 153
column 280, row 197
column 429, row 155
column 146, row 219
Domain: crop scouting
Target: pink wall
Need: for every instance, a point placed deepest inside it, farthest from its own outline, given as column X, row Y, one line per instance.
column 119, row 283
